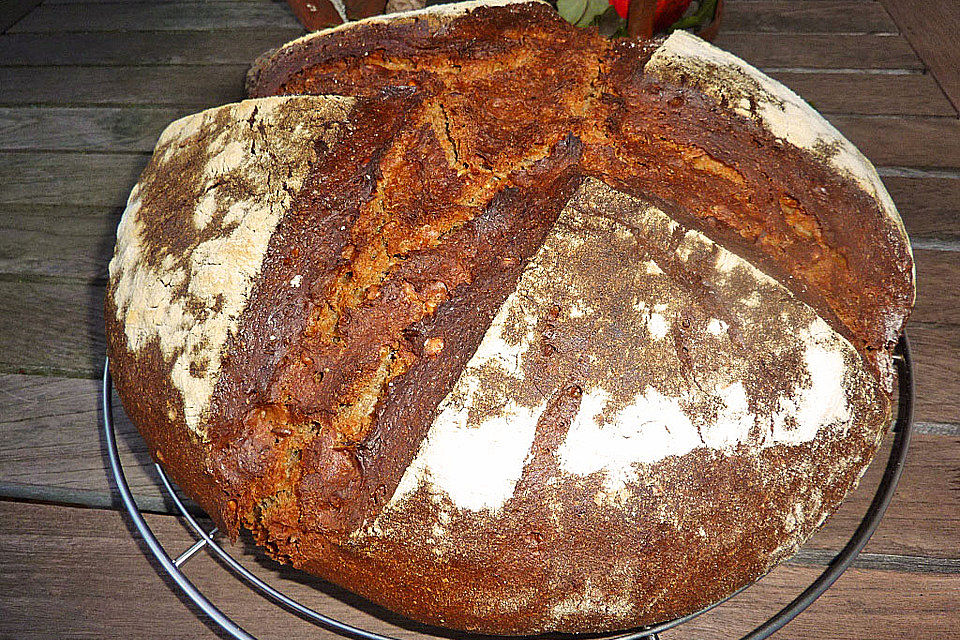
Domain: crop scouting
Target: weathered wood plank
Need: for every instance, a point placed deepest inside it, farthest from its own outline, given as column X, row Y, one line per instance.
column 938, row 284
column 930, row 206
column 820, row 51
column 841, row 16
column 935, row 350
column 68, row 178
column 49, row 438
column 63, row 238
column 185, row 2
column 70, row 241
column 46, row 417
column 894, row 94
column 862, row 604
column 124, row 129
column 51, row 179
column 13, row 11
column 931, row 28
column 48, row 538
column 152, row 16
column 69, row 205
column 84, row 128
column 153, row 86
column 51, row 327
column 923, row 513
column 76, row 242
column 904, row 141
column 132, row 48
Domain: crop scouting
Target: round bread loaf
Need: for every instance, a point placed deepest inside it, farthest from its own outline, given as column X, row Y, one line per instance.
column 508, row 327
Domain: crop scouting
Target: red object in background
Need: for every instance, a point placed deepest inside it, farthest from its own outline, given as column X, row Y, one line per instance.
column 666, row 13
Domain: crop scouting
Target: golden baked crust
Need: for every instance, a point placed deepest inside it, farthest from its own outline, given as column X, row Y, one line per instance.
column 677, row 120
column 528, row 331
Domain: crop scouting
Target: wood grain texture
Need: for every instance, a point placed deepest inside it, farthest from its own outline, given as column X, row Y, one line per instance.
column 76, row 242
column 904, row 141
column 69, row 241
column 68, row 178
column 920, row 141
column 152, row 16
column 925, row 511
column 820, row 51
column 233, row 47
column 931, row 28
column 62, row 213
column 935, row 351
column 105, row 561
column 73, row 140
column 774, row 16
column 938, row 302
column 66, row 207
column 131, row 48
column 200, row 87
column 929, row 206
column 51, row 328
column 76, row 331
column 84, row 128
column 13, row 11
column 869, row 94
column 44, row 417
column 828, row 16
column 66, row 318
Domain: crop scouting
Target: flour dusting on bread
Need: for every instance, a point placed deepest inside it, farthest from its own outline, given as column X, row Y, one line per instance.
column 196, row 227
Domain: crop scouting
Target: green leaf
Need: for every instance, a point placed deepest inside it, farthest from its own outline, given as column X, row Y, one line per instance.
column 701, row 17
column 595, row 9
column 582, row 13
column 572, row 10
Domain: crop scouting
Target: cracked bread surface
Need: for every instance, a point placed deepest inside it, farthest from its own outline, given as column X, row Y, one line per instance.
column 535, row 324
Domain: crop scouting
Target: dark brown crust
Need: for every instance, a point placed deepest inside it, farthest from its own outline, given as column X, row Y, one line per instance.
column 407, row 237
column 642, row 136
column 248, row 414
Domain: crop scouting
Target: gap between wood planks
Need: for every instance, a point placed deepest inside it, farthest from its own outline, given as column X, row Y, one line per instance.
column 930, row 26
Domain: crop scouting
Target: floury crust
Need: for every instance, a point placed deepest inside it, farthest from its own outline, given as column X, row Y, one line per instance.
column 613, row 418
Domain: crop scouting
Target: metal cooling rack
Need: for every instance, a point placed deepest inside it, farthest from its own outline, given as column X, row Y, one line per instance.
column 172, row 566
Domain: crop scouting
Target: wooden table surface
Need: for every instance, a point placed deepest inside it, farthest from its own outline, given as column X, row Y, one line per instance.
column 85, row 89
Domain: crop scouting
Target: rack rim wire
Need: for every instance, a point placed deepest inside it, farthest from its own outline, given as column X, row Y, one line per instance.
column 902, row 429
